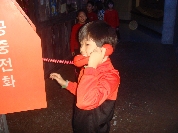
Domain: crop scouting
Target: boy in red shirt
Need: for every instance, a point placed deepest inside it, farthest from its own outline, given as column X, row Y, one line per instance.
column 111, row 17
column 74, row 43
column 92, row 16
column 98, row 82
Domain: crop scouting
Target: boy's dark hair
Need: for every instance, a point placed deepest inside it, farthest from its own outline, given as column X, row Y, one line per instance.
column 110, row 2
column 91, row 2
column 100, row 32
column 81, row 10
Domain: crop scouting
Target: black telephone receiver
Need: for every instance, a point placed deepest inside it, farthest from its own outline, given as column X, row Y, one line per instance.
column 80, row 60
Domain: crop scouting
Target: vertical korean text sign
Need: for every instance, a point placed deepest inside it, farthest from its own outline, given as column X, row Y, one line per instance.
column 22, row 84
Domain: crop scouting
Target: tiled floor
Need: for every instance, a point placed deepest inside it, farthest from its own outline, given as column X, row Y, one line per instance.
column 147, row 99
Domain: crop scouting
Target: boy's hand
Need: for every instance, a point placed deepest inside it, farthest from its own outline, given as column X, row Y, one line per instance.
column 96, row 57
column 58, row 78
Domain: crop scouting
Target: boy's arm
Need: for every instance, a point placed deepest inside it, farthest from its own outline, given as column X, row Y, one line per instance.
column 72, row 86
column 93, row 90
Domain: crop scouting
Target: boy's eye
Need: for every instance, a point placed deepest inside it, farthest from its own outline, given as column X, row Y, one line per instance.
column 87, row 44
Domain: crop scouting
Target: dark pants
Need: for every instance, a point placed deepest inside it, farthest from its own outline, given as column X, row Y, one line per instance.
column 96, row 120
column 86, row 122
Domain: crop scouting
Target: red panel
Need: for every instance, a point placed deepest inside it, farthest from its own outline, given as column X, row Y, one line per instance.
column 20, row 60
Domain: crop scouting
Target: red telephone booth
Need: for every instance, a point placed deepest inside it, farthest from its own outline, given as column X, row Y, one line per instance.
column 21, row 66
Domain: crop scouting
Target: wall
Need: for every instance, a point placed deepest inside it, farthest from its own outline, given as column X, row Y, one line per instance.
column 55, row 44
column 53, row 20
column 123, row 7
column 176, row 33
column 155, row 4
column 169, row 21
column 176, row 28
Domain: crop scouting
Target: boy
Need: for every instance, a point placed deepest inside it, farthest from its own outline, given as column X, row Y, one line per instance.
column 111, row 17
column 92, row 16
column 98, row 82
column 74, row 43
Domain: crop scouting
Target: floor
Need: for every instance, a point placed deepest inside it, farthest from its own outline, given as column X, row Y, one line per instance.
column 148, row 94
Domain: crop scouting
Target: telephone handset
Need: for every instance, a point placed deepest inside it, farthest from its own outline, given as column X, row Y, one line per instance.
column 80, row 60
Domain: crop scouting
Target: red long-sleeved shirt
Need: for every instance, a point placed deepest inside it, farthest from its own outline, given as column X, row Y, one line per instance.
column 74, row 43
column 95, row 86
column 112, row 18
column 92, row 16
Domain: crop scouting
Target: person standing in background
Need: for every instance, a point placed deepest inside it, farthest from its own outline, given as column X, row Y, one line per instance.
column 111, row 17
column 74, row 43
column 91, row 15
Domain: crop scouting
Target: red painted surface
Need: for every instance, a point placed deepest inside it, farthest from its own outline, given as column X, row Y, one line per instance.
column 22, row 84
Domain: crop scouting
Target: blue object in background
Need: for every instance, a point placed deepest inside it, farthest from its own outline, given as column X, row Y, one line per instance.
column 53, row 8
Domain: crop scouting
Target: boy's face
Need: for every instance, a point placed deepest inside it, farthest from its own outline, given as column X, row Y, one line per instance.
column 87, row 47
column 81, row 17
column 110, row 6
column 89, row 7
